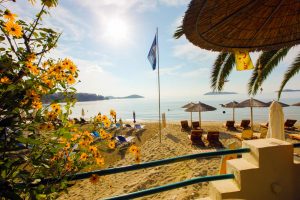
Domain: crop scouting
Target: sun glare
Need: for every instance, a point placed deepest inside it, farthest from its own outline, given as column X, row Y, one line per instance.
column 116, row 30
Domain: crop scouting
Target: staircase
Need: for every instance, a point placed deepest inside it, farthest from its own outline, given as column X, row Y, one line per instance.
column 267, row 172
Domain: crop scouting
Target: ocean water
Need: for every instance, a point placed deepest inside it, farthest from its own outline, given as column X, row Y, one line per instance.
column 147, row 109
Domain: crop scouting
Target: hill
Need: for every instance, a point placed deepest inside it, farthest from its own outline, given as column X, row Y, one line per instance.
column 219, row 93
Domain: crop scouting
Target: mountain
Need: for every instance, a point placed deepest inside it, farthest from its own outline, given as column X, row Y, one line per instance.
column 133, row 96
column 86, row 97
column 289, row 90
column 219, row 93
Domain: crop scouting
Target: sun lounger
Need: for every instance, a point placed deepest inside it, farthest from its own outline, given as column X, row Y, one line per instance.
column 263, row 131
column 185, row 126
column 247, row 134
column 139, row 126
column 264, row 125
column 196, row 138
column 123, row 141
column 289, row 124
column 229, row 125
column 213, row 139
column 294, row 136
column 244, row 124
column 195, row 125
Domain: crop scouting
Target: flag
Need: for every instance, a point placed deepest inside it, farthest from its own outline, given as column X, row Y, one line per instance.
column 152, row 54
column 243, row 60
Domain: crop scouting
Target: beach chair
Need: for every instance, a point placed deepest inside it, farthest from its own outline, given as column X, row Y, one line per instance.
column 264, row 125
column 195, row 125
column 247, row 134
column 263, row 132
column 139, row 126
column 123, row 141
column 196, row 138
column 229, row 125
column 213, row 139
column 289, row 124
column 294, row 136
column 82, row 121
column 185, row 126
column 244, row 124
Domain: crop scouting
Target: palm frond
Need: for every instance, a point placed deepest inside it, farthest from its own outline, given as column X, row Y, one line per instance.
column 215, row 72
column 179, row 32
column 263, row 59
column 227, row 68
column 268, row 63
column 291, row 71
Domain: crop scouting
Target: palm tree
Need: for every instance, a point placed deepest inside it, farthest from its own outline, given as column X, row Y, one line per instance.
column 266, row 62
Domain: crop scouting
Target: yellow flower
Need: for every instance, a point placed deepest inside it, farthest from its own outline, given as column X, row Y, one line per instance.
column 52, row 115
column 104, row 118
column 31, row 57
column 113, row 113
column 112, row 145
column 50, row 126
column 94, row 179
column 68, row 166
column 93, row 149
column 9, row 16
column 70, row 80
column 74, row 137
column 99, row 161
column 133, row 149
column 107, row 123
column 5, row 80
column 83, row 156
column 68, row 145
column 73, row 68
column 13, row 29
column 37, row 105
column 56, row 108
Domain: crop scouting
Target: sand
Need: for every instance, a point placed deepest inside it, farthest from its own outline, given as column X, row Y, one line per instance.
column 174, row 143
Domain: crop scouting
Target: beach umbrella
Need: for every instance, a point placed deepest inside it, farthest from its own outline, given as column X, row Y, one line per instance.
column 200, row 107
column 276, row 121
column 227, row 25
column 133, row 117
column 187, row 106
column 296, row 104
column 251, row 103
column 232, row 105
column 282, row 104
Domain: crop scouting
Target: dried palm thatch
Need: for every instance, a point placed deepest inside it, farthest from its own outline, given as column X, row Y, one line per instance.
column 253, row 25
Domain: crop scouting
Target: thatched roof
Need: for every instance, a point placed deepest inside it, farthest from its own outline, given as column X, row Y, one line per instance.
column 200, row 107
column 251, row 103
column 296, row 104
column 253, row 25
column 232, row 104
column 282, row 104
column 188, row 105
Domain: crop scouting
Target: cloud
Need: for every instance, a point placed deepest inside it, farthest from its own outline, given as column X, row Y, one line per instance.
column 170, row 70
column 192, row 53
column 175, row 2
column 199, row 72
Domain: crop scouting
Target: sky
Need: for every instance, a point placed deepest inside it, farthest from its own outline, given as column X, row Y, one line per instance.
column 109, row 41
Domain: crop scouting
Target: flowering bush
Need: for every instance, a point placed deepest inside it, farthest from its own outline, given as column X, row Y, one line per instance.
column 40, row 141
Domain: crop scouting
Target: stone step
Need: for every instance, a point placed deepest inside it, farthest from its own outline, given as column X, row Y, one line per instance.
column 205, row 198
column 222, row 188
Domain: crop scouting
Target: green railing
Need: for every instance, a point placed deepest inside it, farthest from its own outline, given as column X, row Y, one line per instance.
column 171, row 186
column 158, row 163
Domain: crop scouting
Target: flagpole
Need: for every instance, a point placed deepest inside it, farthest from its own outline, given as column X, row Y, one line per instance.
column 159, row 120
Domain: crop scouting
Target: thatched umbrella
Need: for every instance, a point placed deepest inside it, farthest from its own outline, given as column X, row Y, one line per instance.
column 296, row 104
column 253, row 25
column 251, row 103
column 232, row 105
column 282, row 104
column 200, row 107
column 187, row 106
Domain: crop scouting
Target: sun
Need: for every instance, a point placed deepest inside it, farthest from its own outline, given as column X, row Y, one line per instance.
column 116, row 30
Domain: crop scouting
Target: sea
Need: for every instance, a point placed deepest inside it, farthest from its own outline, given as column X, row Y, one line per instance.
column 146, row 109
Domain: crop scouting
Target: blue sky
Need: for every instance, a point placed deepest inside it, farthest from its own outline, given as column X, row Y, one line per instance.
column 109, row 41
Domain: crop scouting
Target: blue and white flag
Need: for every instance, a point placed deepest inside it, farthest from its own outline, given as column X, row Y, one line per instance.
column 152, row 54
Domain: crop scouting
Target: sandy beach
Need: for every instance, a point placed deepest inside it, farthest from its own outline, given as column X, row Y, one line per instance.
column 174, row 143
